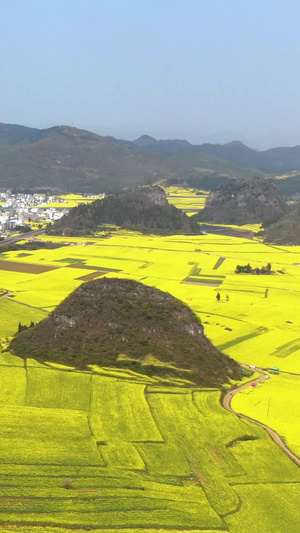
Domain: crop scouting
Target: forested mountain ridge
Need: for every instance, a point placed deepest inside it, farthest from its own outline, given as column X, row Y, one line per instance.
column 144, row 209
column 67, row 159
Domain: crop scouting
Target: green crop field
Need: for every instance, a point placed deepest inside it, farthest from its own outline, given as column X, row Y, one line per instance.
column 129, row 456
column 141, row 455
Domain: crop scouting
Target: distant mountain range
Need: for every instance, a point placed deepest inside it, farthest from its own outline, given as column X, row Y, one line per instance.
column 68, row 159
column 145, row 142
column 273, row 161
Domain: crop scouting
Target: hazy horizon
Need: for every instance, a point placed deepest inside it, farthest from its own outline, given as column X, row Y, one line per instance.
column 203, row 72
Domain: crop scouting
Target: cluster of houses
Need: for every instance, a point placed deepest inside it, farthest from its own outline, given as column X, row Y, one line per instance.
column 21, row 209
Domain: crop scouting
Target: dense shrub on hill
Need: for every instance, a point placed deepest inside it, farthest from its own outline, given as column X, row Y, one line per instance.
column 244, row 201
column 119, row 322
column 286, row 230
column 145, row 209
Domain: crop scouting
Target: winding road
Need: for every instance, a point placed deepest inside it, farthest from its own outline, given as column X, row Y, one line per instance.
column 226, row 402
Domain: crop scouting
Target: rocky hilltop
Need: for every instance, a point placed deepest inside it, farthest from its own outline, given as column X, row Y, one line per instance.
column 144, row 209
column 285, row 231
column 244, row 201
column 120, row 322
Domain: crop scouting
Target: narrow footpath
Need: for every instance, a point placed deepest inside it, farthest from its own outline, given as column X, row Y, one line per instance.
column 226, row 402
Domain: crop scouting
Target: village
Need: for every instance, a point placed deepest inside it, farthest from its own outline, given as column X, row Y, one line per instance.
column 20, row 210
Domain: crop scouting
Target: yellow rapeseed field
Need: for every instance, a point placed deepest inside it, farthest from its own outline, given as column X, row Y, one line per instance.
column 256, row 320
column 277, row 404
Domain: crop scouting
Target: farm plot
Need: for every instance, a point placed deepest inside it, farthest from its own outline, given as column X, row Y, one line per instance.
column 164, row 459
column 11, row 314
column 270, row 464
column 49, row 388
column 182, row 424
column 126, row 417
column 189, row 200
column 49, row 436
column 25, row 268
column 7, row 359
column 12, row 385
column 49, row 529
column 277, row 404
column 273, row 505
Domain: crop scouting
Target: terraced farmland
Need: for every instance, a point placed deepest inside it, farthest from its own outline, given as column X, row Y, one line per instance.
column 80, row 450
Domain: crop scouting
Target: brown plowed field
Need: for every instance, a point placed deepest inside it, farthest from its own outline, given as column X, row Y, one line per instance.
column 25, row 268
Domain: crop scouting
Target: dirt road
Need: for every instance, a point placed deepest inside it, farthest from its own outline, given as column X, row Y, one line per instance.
column 273, row 434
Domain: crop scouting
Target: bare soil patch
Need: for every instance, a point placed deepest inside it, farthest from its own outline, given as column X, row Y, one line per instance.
column 25, row 268
column 90, row 277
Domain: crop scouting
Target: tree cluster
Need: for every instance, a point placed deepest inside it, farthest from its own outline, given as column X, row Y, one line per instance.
column 23, row 229
column 247, row 269
column 30, row 245
column 23, row 327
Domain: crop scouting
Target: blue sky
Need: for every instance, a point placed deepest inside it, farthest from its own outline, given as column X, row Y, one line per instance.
column 200, row 70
